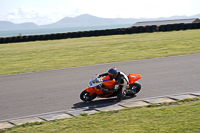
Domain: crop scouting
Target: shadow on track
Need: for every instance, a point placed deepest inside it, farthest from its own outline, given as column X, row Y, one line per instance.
column 99, row 103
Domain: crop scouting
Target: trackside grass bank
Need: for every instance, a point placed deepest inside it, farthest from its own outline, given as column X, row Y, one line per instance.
column 54, row 54
column 179, row 117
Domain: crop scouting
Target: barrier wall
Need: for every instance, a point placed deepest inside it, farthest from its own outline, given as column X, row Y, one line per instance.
column 119, row 31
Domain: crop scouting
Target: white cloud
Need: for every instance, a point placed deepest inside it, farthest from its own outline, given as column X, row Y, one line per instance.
column 40, row 17
column 139, row 8
column 42, row 13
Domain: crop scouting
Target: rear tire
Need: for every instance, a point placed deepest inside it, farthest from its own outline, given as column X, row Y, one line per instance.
column 134, row 89
column 85, row 96
column 137, row 87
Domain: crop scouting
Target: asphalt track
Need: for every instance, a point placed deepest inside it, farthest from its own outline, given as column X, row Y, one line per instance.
column 48, row 91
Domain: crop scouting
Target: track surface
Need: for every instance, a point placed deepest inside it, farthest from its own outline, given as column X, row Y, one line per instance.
column 48, row 91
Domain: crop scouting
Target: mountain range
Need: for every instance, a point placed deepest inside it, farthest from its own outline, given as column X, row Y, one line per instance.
column 83, row 20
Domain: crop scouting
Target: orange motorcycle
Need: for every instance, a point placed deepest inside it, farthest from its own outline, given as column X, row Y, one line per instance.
column 94, row 88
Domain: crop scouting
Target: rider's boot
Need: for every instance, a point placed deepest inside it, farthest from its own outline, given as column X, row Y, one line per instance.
column 121, row 93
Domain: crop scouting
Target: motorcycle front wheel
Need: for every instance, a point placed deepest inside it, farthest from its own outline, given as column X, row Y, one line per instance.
column 85, row 96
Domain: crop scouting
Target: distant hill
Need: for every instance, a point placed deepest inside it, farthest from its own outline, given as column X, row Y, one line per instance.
column 83, row 20
column 6, row 25
column 89, row 20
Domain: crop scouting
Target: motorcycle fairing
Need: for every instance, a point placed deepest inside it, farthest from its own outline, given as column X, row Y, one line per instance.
column 98, row 91
column 106, row 82
column 133, row 78
column 93, row 90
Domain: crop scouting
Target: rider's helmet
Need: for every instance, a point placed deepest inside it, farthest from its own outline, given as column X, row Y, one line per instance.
column 113, row 72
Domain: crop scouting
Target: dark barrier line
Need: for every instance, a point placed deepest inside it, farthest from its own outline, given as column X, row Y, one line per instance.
column 105, row 32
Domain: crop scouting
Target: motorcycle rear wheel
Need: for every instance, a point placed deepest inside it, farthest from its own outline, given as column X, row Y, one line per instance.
column 137, row 87
column 134, row 89
column 85, row 96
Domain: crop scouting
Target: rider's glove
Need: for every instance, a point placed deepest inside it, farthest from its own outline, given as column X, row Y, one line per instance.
column 96, row 80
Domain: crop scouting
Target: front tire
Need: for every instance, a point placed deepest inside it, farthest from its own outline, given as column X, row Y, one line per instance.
column 85, row 96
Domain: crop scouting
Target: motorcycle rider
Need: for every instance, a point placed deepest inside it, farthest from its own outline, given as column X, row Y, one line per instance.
column 120, row 78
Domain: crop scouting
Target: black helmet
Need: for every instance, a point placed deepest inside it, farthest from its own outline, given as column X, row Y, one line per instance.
column 113, row 72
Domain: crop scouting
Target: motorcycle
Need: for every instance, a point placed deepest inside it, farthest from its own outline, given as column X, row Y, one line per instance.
column 94, row 88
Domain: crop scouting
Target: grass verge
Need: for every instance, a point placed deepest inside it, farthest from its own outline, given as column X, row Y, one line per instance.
column 54, row 54
column 179, row 117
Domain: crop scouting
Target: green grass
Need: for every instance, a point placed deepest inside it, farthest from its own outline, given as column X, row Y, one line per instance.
column 180, row 117
column 46, row 55
column 54, row 54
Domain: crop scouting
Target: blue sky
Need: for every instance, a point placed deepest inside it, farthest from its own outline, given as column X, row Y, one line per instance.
column 49, row 11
